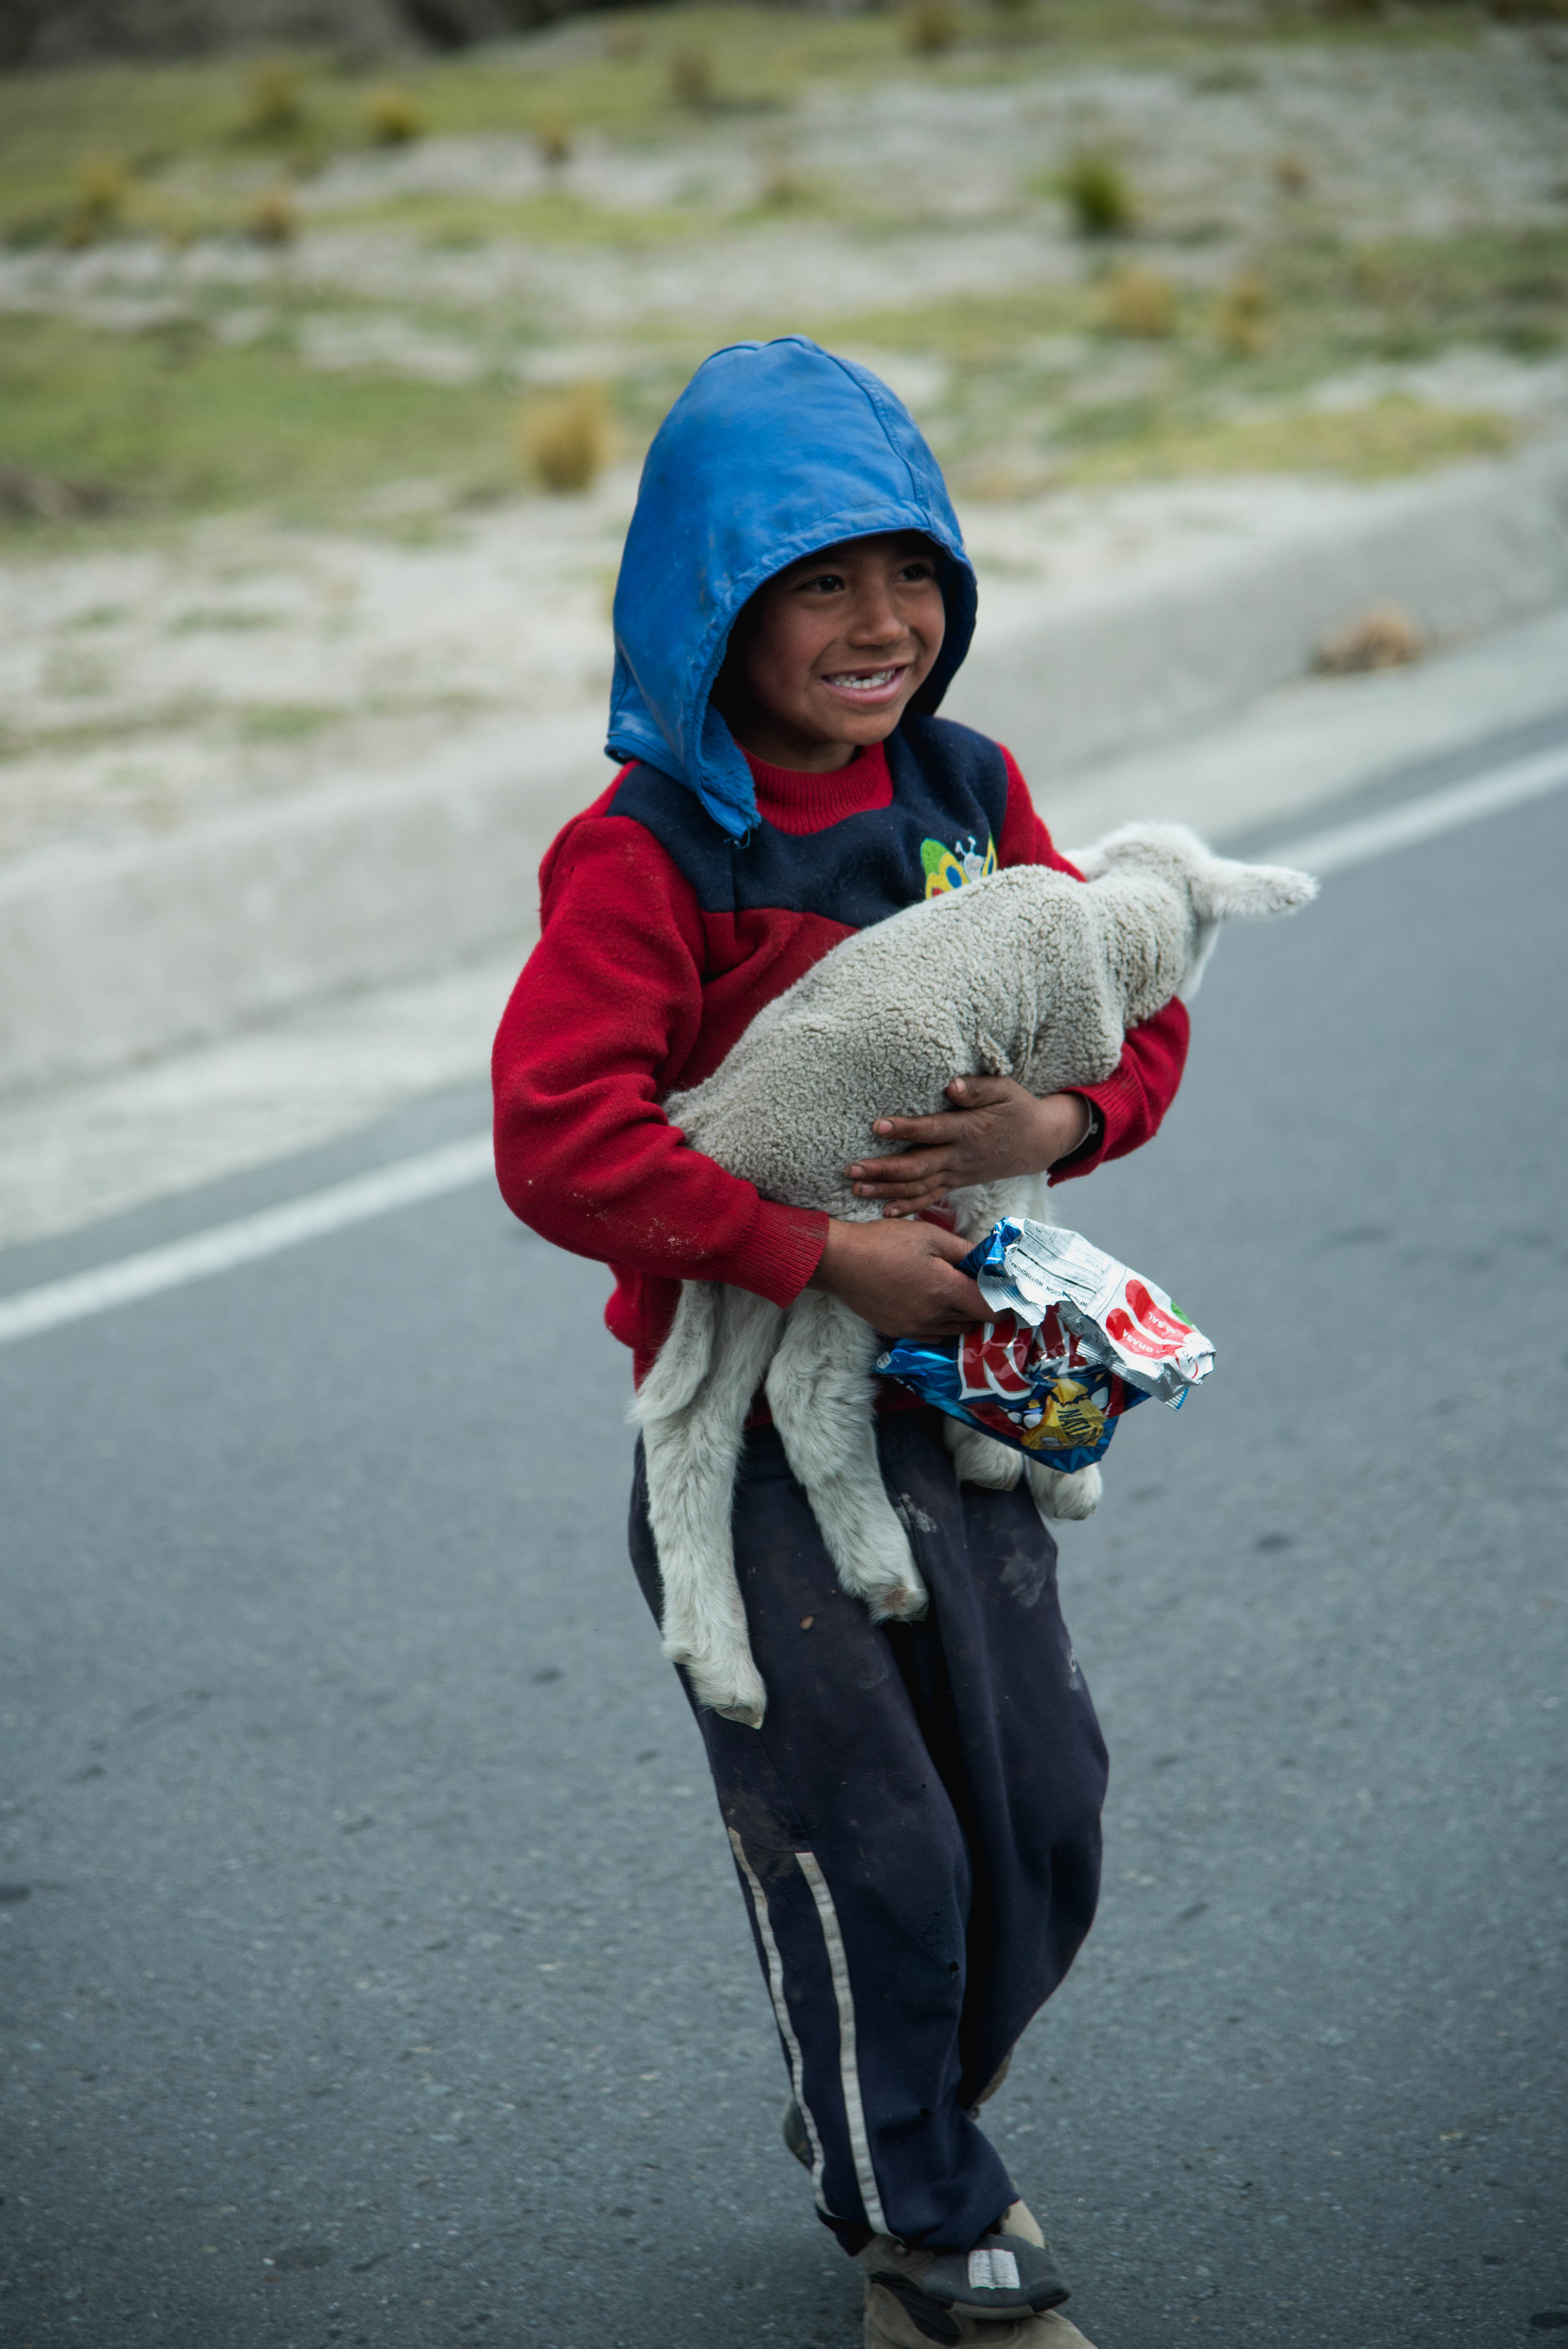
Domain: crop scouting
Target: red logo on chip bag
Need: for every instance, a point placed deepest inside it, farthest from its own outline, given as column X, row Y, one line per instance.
column 1154, row 1333
column 994, row 1359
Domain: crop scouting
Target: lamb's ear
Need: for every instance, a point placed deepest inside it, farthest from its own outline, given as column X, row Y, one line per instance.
column 1091, row 862
column 1224, row 890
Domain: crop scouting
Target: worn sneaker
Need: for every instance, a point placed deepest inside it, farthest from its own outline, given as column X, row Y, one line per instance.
column 1004, row 2293
column 795, row 2134
column 892, row 2324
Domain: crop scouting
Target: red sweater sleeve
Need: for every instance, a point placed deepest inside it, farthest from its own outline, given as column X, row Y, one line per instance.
column 606, row 1011
column 1141, row 1087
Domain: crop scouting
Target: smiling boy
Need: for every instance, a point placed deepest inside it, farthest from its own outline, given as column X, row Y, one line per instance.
column 915, row 1827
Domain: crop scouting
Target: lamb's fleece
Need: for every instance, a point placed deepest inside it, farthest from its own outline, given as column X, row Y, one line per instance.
column 1026, row 974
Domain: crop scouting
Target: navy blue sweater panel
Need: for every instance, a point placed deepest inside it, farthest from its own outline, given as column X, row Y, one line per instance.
column 949, row 785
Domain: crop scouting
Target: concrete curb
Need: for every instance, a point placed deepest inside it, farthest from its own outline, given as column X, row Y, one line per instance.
column 1461, row 553
column 109, row 957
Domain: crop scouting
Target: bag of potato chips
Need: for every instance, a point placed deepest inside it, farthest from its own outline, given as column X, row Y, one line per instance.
column 1075, row 1340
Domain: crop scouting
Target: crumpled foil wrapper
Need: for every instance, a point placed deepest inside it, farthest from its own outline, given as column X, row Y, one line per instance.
column 1121, row 1319
column 1075, row 1341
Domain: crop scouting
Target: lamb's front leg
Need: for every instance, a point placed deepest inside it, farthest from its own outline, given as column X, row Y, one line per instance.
column 821, row 1395
column 692, row 1410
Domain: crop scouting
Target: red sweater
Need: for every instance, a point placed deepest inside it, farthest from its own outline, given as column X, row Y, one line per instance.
column 637, row 989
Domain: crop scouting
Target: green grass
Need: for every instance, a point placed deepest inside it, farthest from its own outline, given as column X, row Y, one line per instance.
column 1333, row 307
column 1364, row 444
column 557, row 217
column 153, row 117
column 231, row 428
column 174, row 423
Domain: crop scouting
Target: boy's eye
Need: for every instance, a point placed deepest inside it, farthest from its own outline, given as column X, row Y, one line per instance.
column 827, row 582
column 918, row 569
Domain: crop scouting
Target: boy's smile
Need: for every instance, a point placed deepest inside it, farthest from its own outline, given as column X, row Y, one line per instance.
column 826, row 655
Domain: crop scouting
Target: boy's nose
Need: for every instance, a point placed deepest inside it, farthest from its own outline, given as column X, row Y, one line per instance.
column 875, row 621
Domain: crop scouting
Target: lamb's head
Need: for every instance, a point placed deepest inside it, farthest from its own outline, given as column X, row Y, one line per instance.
column 1217, row 888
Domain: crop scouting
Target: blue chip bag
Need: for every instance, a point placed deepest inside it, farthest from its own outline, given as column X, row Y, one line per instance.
column 1077, row 1340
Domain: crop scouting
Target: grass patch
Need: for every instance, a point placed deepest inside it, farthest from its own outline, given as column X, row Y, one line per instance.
column 286, row 721
column 231, row 428
column 1376, row 443
column 615, row 73
column 556, row 217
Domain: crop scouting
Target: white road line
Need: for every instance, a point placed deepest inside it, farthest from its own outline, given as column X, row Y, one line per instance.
column 1424, row 819
column 241, row 1242
column 133, row 1276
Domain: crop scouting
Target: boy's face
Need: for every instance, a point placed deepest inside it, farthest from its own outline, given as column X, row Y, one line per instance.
column 826, row 655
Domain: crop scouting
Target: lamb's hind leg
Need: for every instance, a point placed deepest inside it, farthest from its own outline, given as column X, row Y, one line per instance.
column 692, row 1409
column 822, row 1393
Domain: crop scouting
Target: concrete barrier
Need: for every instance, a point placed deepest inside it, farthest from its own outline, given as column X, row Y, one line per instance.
column 108, row 957
column 1462, row 553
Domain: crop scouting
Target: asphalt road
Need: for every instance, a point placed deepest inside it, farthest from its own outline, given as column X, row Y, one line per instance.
column 374, row 1969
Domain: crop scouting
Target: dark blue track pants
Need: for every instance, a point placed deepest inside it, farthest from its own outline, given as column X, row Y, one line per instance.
column 915, row 1825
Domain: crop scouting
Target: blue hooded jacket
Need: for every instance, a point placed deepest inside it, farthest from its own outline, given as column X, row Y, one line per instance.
column 772, row 450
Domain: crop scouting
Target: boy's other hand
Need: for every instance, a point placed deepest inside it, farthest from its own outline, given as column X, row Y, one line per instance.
column 994, row 1130
column 901, row 1279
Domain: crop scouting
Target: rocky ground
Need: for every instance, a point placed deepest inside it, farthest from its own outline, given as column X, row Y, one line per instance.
column 269, row 518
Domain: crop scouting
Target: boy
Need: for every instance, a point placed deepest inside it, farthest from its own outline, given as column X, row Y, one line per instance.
column 916, row 1825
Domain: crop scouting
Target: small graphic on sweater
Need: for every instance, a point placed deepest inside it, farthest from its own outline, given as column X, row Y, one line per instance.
column 949, row 868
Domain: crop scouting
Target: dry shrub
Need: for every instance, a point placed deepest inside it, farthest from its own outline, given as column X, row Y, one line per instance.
column 44, row 497
column 1242, row 322
column 1097, row 194
column 274, row 100
column 100, row 206
column 553, row 134
column 394, row 117
column 1139, row 301
column 274, row 218
column 930, row 27
column 566, row 441
column 781, row 184
column 691, row 78
column 1291, row 175
column 1383, row 637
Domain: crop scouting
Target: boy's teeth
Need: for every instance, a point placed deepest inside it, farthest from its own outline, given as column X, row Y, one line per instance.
column 865, row 678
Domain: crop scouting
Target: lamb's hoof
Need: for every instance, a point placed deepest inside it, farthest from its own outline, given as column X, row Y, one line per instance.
column 729, row 1687
column 1064, row 1496
column 903, row 1603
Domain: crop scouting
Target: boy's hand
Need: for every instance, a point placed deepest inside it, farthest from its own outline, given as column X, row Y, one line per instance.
column 994, row 1130
column 899, row 1277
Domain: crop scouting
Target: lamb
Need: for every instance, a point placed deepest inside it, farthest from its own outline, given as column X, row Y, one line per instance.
column 1025, row 973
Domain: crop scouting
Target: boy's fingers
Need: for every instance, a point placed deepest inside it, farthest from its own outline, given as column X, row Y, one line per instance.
column 949, row 1244
column 980, row 1092
column 924, row 1130
column 909, row 1166
column 924, row 1186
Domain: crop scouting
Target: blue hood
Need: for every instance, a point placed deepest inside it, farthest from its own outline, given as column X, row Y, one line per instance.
column 772, row 450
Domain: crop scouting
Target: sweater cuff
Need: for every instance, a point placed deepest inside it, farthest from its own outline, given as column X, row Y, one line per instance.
column 1120, row 1100
column 780, row 1251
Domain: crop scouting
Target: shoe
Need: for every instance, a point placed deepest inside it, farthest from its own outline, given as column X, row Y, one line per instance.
column 997, row 2079
column 795, row 2134
column 889, row 2324
column 1005, row 2293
